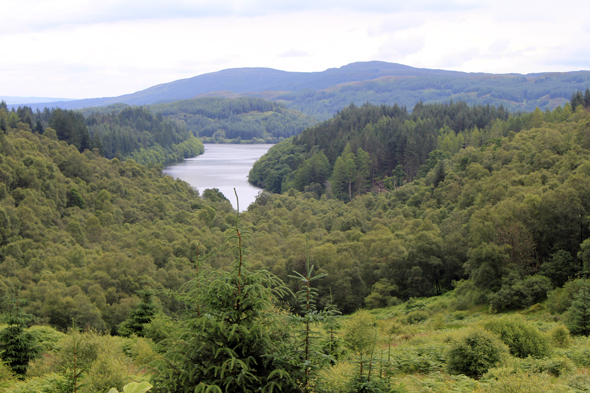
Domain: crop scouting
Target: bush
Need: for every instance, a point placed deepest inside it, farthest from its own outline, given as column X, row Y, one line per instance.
column 359, row 332
column 555, row 366
column 474, row 353
column 7, row 377
column 522, row 338
column 416, row 317
column 423, row 358
column 521, row 294
column 414, row 305
column 508, row 380
column 578, row 353
column 578, row 314
column 560, row 335
column 560, row 299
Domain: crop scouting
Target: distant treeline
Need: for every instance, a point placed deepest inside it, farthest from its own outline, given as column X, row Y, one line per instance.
column 217, row 119
column 514, row 92
column 129, row 132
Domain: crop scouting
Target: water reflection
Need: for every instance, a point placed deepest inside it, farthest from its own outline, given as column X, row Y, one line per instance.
column 223, row 166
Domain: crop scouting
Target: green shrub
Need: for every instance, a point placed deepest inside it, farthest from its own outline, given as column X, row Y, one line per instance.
column 509, row 380
column 459, row 315
column 110, row 369
column 522, row 338
column 579, row 353
column 416, row 317
column 424, row 358
column 50, row 383
column 555, row 366
column 521, row 294
column 474, row 353
column 7, row 377
column 359, row 332
column 560, row 335
column 560, row 299
column 579, row 381
column 414, row 305
column 578, row 314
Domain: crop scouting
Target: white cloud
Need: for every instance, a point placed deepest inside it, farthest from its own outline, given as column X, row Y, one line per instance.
column 89, row 48
column 295, row 53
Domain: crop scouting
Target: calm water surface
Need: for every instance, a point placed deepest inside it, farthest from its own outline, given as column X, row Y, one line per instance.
column 223, row 166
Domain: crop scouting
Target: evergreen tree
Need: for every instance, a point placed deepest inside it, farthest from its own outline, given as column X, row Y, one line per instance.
column 38, row 127
column 576, row 100
column 232, row 345
column 17, row 346
column 309, row 352
column 142, row 314
column 579, row 312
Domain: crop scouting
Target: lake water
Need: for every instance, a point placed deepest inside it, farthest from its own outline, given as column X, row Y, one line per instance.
column 222, row 166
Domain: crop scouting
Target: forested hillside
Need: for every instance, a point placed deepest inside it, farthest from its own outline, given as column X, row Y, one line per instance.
column 388, row 137
column 80, row 234
column 111, row 245
column 513, row 92
column 498, row 214
column 146, row 137
column 220, row 119
column 129, row 132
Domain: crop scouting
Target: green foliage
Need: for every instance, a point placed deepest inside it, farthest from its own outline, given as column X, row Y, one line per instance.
column 560, row 335
column 217, row 119
column 560, row 268
column 560, row 299
column 520, row 294
column 236, row 326
column 474, row 353
column 308, row 352
column 421, row 358
column 521, row 337
column 134, row 387
column 578, row 318
column 17, row 346
column 141, row 315
column 507, row 380
column 416, row 317
column 75, row 199
column 359, row 332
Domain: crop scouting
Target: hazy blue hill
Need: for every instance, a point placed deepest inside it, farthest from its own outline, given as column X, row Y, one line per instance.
column 244, row 80
column 321, row 94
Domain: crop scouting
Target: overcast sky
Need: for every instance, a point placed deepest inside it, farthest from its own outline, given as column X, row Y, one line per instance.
column 91, row 48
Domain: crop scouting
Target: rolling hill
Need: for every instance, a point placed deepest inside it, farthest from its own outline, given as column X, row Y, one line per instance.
column 321, row 94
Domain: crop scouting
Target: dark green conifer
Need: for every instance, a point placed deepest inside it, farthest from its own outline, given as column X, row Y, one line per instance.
column 231, row 345
column 579, row 312
column 142, row 314
column 17, row 346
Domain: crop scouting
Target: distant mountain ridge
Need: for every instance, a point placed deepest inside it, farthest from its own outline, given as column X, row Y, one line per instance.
column 258, row 79
column 322, row 93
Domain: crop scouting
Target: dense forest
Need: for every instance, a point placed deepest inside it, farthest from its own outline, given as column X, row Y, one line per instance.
column 513, row 92
column 222, row 120
column 129, row 132
column 499, row 218
column 218, row 119
column 373, row 141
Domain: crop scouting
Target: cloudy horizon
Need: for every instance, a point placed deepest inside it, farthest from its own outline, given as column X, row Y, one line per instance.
column 84, row 49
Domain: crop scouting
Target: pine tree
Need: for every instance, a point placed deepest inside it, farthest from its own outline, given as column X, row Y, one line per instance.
column 311, row 356
column 142, row 314
column 17, row 346
column 579, row 312
column 232, row 345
